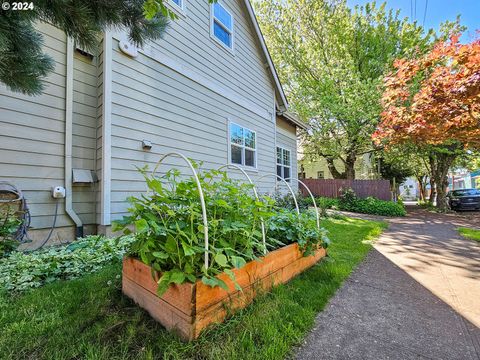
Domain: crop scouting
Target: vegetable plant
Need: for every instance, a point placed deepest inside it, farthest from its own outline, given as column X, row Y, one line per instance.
column 170, row 233
column 169, row 230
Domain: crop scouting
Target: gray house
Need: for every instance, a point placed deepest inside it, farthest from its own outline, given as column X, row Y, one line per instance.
column 208, row 89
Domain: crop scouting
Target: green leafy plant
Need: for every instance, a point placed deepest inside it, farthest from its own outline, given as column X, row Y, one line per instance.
column 9, row 224
column 348, row 201
column 169, row 230
column 287, row 227
column 22, row 271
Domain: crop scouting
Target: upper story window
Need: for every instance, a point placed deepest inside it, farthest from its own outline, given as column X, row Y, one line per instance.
column 179, row 3
column 284, row 164
column 243, row 146
column 222, row 25
column 320, row 175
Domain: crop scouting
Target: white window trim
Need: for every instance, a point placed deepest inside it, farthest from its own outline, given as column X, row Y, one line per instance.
column 177, row 9
column 283, row 166
column 230, row 50
column 229, row 147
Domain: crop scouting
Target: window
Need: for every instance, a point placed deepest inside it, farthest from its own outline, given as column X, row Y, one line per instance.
column 222, row 25
column 283, row 163
column 242, row 146
column 179, row 3
column 320, row 175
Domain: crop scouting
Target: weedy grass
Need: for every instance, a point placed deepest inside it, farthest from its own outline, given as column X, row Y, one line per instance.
column 89, row 318
column 468, row 233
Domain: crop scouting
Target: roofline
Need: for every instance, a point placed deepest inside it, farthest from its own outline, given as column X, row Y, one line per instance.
column 293, row 119
column 271, row 66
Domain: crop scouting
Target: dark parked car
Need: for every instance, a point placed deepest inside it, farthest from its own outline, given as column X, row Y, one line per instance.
column 467, row 199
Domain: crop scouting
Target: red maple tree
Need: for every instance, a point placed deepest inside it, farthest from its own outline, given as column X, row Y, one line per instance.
column 434, row 99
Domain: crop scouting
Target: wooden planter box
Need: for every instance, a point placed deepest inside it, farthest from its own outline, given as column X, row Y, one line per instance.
column 189, row 308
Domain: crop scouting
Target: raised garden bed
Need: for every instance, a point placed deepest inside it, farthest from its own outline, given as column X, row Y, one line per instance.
column 189, row 308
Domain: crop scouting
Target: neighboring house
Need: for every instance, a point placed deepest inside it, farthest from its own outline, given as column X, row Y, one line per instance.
column 463, row 179
column 318, row 169
column 409, row 189
column 208, row 89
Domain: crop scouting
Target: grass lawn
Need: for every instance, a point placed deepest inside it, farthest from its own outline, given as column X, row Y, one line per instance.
column 470, row 233
column 89, row 318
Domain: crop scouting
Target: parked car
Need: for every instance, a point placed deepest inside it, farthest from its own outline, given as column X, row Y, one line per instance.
column 464, row 199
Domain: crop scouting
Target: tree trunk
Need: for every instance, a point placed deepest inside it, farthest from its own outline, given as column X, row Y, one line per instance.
column 422, row 186
column 350, row 166
column 440, row 162
column 333, row 170
column 433, row 178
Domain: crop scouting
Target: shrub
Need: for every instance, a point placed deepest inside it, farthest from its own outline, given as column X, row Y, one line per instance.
column 22, row 271
column 349, row 202
column 375, row 206
column 348, row 199
column 170, row 233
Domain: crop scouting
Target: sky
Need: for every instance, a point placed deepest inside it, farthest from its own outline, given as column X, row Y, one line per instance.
column 437, row 12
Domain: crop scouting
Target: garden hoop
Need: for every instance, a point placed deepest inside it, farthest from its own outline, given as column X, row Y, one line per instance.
column 233, row 166
column 288, row 186
column 312, row 197
column 200, row 192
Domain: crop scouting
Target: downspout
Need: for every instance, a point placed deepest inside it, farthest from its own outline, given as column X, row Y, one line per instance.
column 69, row 141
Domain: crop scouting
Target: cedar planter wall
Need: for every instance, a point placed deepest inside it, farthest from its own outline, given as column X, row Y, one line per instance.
column 363, row 188
column 189, row 308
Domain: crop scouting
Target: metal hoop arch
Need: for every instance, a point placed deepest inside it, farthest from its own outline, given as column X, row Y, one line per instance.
column 288, row 186
column 200, row 192
column 233, row 166
column 313, row 199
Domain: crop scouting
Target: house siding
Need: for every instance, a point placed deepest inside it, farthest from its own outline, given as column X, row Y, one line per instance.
column 85, row 102
column 32, row 137
column 153, row 102
column 242, row 71
column 286, row 137
column 180, row 93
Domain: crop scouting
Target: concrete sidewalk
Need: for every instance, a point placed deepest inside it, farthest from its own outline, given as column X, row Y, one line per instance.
column 417, row 296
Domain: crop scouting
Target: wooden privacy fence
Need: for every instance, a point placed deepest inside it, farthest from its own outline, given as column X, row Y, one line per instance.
column 363, row 188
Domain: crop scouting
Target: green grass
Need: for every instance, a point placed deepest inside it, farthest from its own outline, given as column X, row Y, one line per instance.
column 470, row 233
column 89, row 318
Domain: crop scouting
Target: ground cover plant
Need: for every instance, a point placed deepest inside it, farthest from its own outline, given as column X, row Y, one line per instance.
column 169, row 229
column 468, row 233
column 20, row 271
column 89, row 318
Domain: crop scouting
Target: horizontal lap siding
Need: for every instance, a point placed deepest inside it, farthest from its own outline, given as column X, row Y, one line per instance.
column 287, row 139
column 32, row 137
column 84, row 139
column 188, row 41
column 153, row 102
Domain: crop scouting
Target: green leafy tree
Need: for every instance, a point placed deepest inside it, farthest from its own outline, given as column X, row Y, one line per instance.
column 332, row 60
column 23, row 64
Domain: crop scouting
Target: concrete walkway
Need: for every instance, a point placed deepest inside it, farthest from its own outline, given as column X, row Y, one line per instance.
column 417, row 296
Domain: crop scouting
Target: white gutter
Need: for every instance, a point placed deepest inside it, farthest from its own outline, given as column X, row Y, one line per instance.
column 68, row 140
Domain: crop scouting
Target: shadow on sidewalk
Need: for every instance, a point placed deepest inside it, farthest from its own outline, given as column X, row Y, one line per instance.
column 381, row 312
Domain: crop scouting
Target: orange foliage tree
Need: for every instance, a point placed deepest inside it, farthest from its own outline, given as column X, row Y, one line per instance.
column 434, row 100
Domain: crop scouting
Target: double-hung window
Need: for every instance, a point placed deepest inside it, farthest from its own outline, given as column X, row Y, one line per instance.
column 243, row 146
column 222, row 25
column 284, row 164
